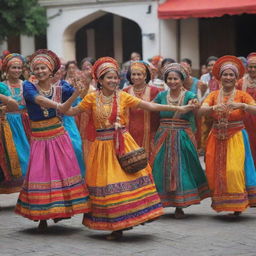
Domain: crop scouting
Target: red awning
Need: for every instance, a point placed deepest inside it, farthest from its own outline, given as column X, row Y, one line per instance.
column 183, row 9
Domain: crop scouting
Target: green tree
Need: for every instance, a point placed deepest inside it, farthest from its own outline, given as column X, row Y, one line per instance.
column 25, row 17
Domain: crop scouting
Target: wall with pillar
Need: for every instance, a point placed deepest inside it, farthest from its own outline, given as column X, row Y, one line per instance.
column 62, row 28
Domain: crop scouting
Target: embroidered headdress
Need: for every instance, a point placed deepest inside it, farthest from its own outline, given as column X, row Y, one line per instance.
column 176, row 67
column 12, row 58
column 47, row 57
column 139, row 65
column 104, row 65
column 228, row 62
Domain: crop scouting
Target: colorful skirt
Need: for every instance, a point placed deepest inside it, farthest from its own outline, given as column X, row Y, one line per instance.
column 230, row 171
column 179, row 177
column 250, row 124
column 11, row 177
column 71, row 127
column 119, row 200
column 53, row 187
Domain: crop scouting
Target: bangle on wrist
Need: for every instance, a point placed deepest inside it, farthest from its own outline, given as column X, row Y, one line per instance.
column 245, row 106
column 213, row 108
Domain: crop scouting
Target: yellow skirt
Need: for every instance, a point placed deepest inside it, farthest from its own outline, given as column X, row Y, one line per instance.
column 119, row 200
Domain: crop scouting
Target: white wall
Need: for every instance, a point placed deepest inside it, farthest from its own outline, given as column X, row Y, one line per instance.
column 168, row 39
column 62, row 29
column 27, row 45
column 190, row 41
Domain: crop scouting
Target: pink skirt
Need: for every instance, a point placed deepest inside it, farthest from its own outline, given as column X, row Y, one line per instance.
column 53, row 187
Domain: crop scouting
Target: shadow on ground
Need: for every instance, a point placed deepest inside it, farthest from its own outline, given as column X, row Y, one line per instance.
column 52, row 230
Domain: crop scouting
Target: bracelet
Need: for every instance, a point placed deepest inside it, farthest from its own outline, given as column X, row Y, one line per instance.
column 213, row 108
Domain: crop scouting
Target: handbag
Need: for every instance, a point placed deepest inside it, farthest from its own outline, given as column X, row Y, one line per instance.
column 133, row 161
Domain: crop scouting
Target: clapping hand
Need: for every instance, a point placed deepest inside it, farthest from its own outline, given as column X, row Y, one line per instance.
column 221, row 108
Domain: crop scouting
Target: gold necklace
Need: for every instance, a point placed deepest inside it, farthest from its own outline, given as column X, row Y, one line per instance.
column 106, row 99
column 103, row 110
column 46, row 93
column 177, row 100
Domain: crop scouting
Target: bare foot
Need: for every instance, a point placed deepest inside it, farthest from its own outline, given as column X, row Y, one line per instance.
column 115, row 235
column 179, row 214
column 42, row 225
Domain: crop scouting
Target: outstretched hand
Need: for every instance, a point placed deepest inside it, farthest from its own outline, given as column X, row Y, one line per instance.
column 185, row 109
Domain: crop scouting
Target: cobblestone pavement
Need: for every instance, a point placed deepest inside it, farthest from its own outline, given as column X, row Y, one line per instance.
column 202, row 233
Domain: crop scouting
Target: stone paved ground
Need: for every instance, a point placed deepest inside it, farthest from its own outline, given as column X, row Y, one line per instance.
column 202, row 233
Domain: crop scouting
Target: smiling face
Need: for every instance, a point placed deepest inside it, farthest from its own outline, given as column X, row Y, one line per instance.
column 173, row 81
column 210, row 66
column 109, row 82
column 14, row 71
column 72, row 68
column 251, row 68
column 138, row 77
column 42, row 72
column 228, row 79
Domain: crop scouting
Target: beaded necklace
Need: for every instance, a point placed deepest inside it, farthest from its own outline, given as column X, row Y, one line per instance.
column 177, row 101
column 12, row 88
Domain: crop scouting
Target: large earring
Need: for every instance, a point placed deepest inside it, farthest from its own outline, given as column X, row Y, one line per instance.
column 51, row 75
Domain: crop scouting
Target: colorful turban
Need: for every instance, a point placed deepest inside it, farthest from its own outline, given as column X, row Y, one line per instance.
column 228, row 62
column 139, row 65
column 156, row 60
column 47, row 57
column 251, row 57
column 176, row 67
column 12, row 58
column 104, row 65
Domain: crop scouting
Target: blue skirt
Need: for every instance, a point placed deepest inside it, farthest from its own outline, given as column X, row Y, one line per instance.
column 71, row 127
column 20, row 140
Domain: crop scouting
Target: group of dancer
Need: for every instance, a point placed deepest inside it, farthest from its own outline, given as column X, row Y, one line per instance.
column 64, row 166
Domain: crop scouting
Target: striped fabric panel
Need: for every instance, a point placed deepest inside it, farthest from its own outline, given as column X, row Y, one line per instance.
column 126, row 209
column 230, row 202
column 186, row 198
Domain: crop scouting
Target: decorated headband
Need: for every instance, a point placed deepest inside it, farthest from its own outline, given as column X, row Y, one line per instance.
column 228, row 62
column 12, row 58
column 251, row 57
column 175, row 67
column 139, row 65
column 47, row 57
column 104, row 65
